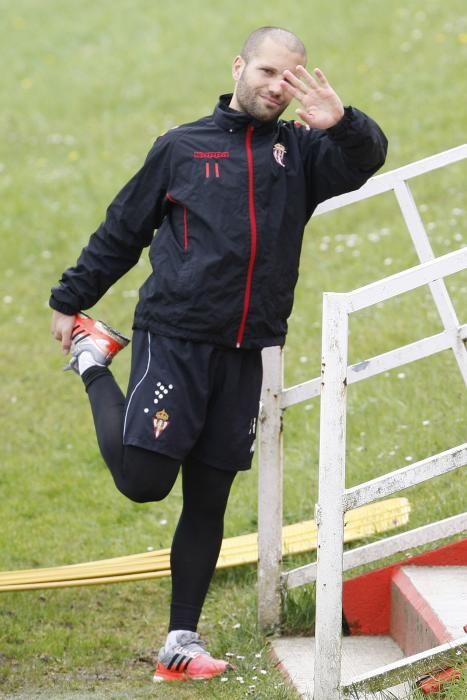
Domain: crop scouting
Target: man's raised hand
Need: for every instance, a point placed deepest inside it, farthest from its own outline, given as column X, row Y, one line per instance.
column 321, row 106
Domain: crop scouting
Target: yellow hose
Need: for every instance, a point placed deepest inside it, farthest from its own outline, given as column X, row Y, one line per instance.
column 243, row 549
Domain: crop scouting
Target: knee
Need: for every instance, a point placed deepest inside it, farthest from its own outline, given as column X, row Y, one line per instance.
column 146, row 476
column 140, row 492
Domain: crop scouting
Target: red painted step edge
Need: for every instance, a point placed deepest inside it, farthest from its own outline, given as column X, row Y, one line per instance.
column 430, row 628
column 367, row 598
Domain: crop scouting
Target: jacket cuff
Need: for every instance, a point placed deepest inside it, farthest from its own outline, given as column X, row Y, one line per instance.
column 343, row 124
column 61, row 307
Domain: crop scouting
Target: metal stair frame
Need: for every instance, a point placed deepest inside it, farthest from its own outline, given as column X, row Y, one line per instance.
column 334, row 500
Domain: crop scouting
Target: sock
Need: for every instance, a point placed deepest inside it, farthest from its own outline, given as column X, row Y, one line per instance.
column 86, row 360
column 172, row 636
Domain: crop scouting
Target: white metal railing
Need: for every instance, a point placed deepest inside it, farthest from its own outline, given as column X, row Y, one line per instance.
column 334, row 499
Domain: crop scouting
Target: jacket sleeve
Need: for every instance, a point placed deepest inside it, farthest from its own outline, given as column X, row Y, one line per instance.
column 342, row 158
column 116, row 246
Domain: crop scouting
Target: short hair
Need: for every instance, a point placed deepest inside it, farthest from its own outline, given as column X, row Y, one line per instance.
column 283, row 36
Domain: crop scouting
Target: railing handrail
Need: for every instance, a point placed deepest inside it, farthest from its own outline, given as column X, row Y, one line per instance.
column 385, row 182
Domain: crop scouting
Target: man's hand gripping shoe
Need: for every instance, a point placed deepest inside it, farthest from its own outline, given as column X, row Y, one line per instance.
column 96, row 337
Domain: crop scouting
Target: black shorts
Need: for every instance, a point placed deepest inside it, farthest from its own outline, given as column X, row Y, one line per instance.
column 193, row 399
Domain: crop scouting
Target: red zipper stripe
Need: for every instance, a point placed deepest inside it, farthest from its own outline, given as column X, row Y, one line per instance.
column 253, row 235
column 185, row 219
column 216, row 169
column 185, row 228
column 207, row 168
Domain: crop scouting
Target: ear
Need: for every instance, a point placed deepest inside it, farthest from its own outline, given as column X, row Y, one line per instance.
column 238, row 66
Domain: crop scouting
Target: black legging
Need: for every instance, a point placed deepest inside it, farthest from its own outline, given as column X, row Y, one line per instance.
column 143, row 475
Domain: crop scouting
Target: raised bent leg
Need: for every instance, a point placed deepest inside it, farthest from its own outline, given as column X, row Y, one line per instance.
column 141, row 475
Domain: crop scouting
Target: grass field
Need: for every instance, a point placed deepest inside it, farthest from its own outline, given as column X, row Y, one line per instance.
column 86, row 87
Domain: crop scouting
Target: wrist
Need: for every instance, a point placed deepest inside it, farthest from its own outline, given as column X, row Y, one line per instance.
column 339, row 116
column 342, row 125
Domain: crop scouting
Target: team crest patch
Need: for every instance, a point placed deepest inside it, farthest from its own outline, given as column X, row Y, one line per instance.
column 160, row 422
column 279, row 151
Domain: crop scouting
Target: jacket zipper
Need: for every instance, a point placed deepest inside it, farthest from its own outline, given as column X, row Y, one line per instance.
column 253, row 235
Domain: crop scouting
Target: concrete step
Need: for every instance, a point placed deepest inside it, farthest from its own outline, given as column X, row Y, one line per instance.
column 428, row 606
column 359, row 655
column 425, row 612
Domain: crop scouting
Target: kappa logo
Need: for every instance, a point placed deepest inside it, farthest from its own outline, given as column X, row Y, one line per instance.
column 279, row 152
column 216, row 155
column 160, row 422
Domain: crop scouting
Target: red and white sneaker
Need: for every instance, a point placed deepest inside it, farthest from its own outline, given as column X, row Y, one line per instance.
column 187, row 660
column 96, row 337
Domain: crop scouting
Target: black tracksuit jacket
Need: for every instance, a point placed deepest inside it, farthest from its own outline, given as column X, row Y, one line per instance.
column 229, row 198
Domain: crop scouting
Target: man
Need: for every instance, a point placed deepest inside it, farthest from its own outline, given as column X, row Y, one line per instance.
column 229, row 196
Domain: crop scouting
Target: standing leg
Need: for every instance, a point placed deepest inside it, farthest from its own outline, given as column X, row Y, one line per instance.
column 197, row 541
column 195, row 550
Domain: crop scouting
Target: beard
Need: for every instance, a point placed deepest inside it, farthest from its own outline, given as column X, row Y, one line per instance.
column 252, row 103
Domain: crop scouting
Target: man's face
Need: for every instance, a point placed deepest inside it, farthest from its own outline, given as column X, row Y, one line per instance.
column 258, row 89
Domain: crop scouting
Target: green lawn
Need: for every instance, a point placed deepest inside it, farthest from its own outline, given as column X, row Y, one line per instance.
column 86, row 87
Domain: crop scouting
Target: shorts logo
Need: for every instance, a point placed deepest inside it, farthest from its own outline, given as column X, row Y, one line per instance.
column 161, row 391
column 160, row 422
column 279, row 151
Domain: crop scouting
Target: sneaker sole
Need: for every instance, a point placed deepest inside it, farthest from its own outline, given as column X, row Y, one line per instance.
column 174, row 676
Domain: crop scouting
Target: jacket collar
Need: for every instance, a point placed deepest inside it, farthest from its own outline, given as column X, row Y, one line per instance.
column 231, row 120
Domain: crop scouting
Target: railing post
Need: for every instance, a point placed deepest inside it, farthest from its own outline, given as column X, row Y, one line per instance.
column 270, row 492
column 330, row 509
